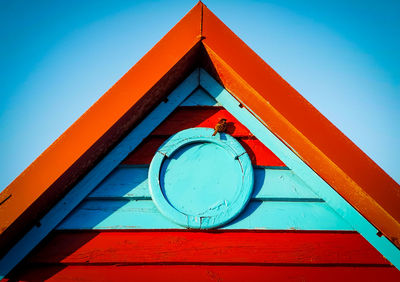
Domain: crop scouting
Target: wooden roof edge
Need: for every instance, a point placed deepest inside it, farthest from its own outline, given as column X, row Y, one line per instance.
column 313, row 137
column 33, row 192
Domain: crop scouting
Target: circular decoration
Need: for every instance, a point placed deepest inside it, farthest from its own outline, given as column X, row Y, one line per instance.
column 201, row 181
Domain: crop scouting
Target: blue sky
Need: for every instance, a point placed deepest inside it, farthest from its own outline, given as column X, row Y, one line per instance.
column 58, row 57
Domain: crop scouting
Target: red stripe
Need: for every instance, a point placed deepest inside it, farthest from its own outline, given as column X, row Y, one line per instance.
column 144, row 153
column 194, row 273
column 199, row 247
column 259, row 153
column 188, row 117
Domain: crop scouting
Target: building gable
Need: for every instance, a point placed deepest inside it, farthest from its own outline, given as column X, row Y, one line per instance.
column 274, row 112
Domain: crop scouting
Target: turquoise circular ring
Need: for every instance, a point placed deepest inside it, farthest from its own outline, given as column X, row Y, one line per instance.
column 201, row 181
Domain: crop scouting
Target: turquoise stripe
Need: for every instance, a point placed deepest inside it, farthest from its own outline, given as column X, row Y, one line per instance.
column 143, row 214
column 131, row 182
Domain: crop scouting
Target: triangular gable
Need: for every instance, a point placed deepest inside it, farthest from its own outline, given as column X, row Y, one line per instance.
column 203, row 40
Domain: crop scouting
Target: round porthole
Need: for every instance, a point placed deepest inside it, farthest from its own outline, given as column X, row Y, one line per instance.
column 201, row 181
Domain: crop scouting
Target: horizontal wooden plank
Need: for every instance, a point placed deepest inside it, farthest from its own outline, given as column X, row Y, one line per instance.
column 200, row 98
column 144, row 153
column 143, row 214
column 270, row 184
column 194, row 273
column 259, row 154
column 208, row 247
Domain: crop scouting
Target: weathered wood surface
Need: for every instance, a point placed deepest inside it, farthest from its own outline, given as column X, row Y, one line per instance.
column 206, row 256
column 143, row 214
column 204, row 182
column 239, row 247
column 201, row 273
column 269, row 184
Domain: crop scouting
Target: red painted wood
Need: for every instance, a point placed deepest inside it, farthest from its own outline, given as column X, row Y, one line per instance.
column 188, row 117
column 306, row 248
column 144, row 153
column 259, row 153
column 195, row 273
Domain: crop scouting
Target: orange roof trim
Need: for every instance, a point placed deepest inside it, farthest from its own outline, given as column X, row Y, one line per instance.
column 200, row 39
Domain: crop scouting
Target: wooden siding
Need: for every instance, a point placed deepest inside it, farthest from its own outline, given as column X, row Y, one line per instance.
column 206, row 256
column 143, row 214
column 201, row 273
column 130, row 182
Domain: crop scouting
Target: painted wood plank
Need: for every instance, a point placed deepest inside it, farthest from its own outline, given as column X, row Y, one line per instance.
column 124, row 182
column 145, row 152
column 269, row 184
column 207, row 247
column 200, row 273
column 317, row 184
column 189, row 117
column 143, row 214
column 96, row 175
column 258, row 153
column 200, row 98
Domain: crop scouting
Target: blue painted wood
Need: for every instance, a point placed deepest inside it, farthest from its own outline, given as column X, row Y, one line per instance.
column 96, row 175
column 201, row 181
column 270, row 184
column 317, row 184
column 199, row 98
column 143, row 214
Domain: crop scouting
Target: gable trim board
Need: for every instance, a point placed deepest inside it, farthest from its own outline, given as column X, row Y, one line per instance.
column 200, row 39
